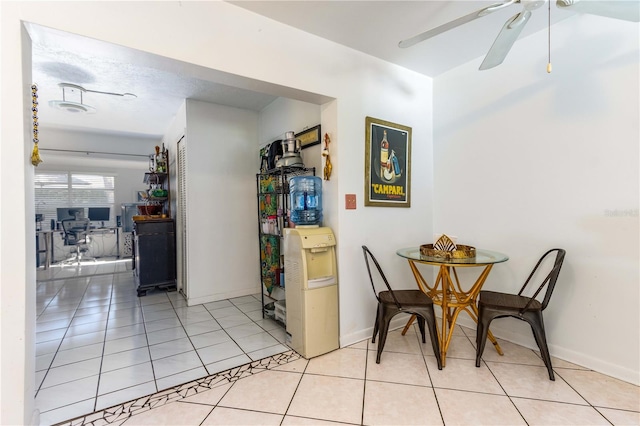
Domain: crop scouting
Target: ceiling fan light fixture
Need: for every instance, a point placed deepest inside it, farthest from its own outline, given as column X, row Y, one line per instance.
column 72, row 91
column 72, row 107
column 75, row 92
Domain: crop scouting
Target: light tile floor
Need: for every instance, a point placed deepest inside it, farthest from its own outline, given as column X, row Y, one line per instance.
column 98, row 344
column 346, row 386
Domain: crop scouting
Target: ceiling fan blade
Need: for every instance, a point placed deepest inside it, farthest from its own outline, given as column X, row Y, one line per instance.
column 455, row 23
column 507, row 36
column 626, row 10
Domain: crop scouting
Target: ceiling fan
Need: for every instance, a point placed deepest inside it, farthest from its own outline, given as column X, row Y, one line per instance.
column 626, row 10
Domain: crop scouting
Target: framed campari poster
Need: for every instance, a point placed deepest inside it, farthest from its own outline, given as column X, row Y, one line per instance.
column 387, row 164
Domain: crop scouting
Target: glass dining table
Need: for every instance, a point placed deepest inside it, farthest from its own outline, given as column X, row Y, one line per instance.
column 447, row 290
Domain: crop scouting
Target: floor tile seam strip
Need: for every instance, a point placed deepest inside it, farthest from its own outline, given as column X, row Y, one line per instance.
column 503, row 390
column 57, row 350
column 179, row 372
column 366, row 368
column 606, row 417
column 189, row 337
column 573, row 388
column 243, row 351
column 191, row 342
column 104, row 345
column 423, row 355
column 575, row 404
column 146, row 336
column 74, row 303
column 70, row 363
column 415, row 385
column 302, row 373
column 67, row 405
column 50, row 300
column 224, row 375
column 97, row 394
column 227, row 333
column 249, row 410
column 418, row 337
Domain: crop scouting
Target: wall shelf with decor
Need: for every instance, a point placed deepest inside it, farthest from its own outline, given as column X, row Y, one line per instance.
column 153, row 245
column 273, row 217
column 156, row 196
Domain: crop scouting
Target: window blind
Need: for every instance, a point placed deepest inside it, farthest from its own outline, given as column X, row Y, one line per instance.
column 68, row 189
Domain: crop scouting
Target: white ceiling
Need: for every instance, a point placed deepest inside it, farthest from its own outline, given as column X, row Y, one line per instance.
column 376, row 27
column 161, row 85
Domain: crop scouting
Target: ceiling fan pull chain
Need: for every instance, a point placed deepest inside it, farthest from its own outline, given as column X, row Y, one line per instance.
column 35, row 154
column 549, row 68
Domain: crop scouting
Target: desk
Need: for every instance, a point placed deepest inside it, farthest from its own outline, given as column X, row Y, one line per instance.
column 47, row 236
column 49, row 244
column 108, row 230
column 449, row 295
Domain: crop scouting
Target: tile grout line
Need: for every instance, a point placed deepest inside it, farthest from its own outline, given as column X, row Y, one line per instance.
column 146, row 335
column 104, row 345
column 61, row 340
column 88, row 282
column 189, row 337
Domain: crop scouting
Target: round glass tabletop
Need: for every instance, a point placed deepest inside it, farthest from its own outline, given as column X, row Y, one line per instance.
column 483, row 257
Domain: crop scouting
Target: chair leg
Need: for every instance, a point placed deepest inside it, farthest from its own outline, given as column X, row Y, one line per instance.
column 384, row 320
column 421, row 327
column 537, row 326
column 433, row 334
column 375, row 326
column 481, row 333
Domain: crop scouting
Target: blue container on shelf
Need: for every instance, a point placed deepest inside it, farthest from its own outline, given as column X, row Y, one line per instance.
column 306, row 200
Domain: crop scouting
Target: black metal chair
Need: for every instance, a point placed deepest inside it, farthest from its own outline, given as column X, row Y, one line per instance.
column 392, row 302
column 492, row 305
column 76, row 233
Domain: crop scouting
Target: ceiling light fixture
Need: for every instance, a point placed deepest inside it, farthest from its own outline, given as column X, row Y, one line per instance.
column 72, row 98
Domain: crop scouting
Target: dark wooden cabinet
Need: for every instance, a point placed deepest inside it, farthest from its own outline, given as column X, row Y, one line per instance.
column 154, row 246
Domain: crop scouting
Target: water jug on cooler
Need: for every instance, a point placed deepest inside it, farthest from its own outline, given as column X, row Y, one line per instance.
column 306, row 200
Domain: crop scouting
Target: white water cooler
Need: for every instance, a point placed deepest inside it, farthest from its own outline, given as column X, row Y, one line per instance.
column 311, row 290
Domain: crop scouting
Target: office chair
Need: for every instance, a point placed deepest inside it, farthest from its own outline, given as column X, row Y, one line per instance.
column 393, row 302
column 76, row 233
column 492, row 305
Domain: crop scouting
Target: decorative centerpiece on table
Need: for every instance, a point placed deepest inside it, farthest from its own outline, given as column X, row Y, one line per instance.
column 446, row 249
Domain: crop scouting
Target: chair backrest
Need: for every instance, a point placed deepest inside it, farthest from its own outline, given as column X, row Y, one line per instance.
column 75, row 230
column 549, row 281
column 368, row 255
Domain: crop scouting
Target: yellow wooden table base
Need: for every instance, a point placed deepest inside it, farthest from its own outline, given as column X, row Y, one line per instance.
column 448, row 293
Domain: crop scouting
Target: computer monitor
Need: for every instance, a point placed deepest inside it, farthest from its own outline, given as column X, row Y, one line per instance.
column 99, row 214
column 69, row 213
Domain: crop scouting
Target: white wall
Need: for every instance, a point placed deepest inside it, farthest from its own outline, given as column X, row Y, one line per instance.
column 78, row 140
column 526, row 161
column 254, row 47
column 17, row 263
column 221, row 210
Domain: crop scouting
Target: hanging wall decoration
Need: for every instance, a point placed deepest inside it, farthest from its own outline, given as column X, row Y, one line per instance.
column 309, row 137
column 35, row 155
column 327, row 158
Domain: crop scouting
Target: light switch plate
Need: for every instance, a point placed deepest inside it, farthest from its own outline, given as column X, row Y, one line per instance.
column 350, row 201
